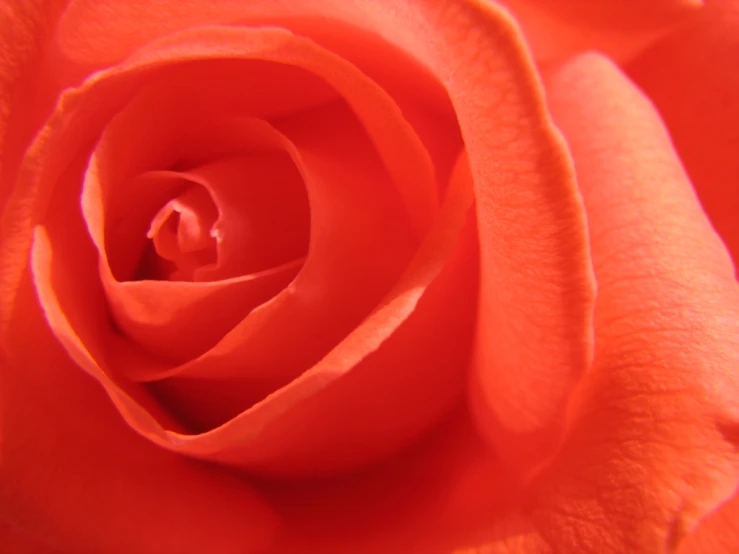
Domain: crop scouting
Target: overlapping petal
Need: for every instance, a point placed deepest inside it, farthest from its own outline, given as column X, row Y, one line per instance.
column 556, row 29
column 717, row 533
column 75, row 475
column 533, row 337
column 650, row 431
column 651, row 447
column 79, row 319
column 692, row 79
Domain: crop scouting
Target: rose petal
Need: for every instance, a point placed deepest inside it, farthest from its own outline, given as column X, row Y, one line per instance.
column 650, row 448
column 17, row 542
column 537, row 292
column 27, row 92
column 718, row 533
column 445, row 492
column 328, row 418
column 349, row 29
column 113, row 88
column 331, row 398
column 181, row 234
column 553, row 29
column 76, row 476
column 180, row 321
column 692, row 78
column 345, row 275
column 82, row 337
column 125, row 186
column 620, row 29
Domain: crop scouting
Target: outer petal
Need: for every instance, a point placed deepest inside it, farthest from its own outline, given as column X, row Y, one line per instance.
column 556, row 28
column 74, row 476
column 533, row 336
column 16, row 542
column 652, row 442
column 717, row 534
column 553, row 27
column 693, row 78
column 26, row 27
column 441, row 494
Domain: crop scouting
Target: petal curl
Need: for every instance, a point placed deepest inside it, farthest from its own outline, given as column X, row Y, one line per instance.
column 651, row 447
column 555, row 252
column 80, row 332
column 534, row 330
column 692, row 78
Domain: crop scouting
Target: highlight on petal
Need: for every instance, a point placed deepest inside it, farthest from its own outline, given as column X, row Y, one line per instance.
column 692, row 79
column 649, row 451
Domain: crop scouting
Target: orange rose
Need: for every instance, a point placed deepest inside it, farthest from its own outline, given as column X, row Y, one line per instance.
column 369, row 276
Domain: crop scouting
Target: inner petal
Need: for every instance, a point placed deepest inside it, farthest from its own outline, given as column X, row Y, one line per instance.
column 182, row 233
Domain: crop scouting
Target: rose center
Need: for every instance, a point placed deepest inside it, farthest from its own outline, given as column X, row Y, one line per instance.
column 183, row 236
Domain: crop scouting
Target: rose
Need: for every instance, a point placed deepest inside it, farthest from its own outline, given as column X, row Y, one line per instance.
column 624, row 449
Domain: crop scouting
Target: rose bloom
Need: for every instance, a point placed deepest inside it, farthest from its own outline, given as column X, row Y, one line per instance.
column 353, row 276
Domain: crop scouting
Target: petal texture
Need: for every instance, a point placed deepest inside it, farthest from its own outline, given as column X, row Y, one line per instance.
column 651, row 446
column 26, row 94
column 691, row 77
column 533, row 336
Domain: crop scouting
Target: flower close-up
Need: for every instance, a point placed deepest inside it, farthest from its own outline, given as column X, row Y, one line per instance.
column 369, row 276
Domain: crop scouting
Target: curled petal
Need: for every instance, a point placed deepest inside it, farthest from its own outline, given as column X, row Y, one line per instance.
column 536, row 298
column 651, row 447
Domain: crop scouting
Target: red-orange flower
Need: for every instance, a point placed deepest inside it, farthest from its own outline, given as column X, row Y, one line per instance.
column 350, row 276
